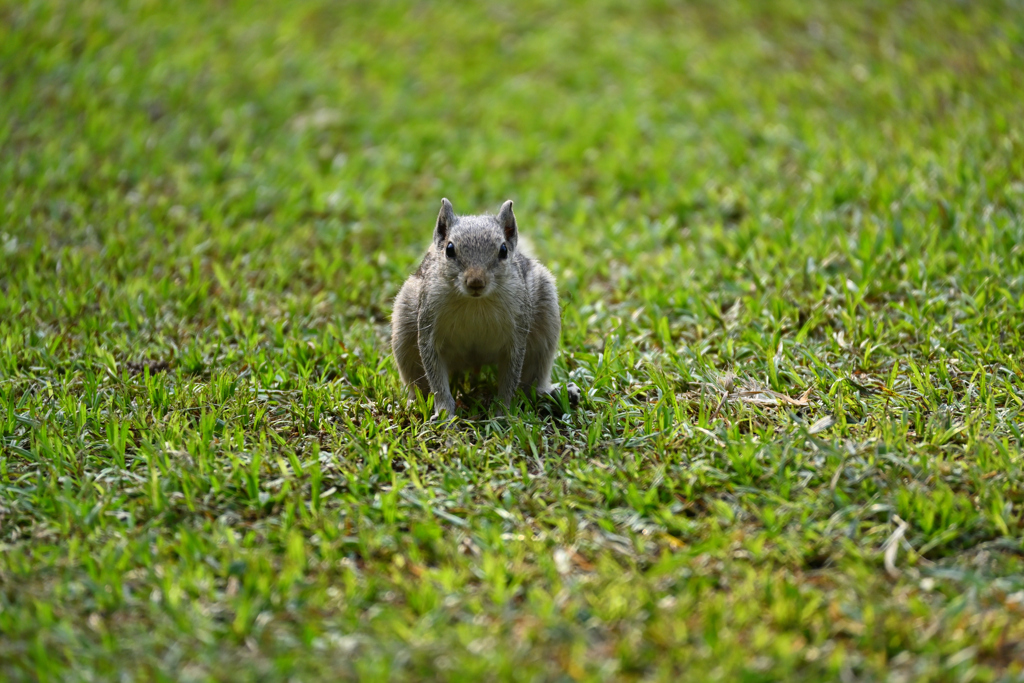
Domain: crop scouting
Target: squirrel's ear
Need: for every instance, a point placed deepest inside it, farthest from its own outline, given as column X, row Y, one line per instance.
column 507, row 221
column 445, row 220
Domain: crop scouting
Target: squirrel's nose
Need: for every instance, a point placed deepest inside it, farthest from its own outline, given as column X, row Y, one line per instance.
column 475, row 282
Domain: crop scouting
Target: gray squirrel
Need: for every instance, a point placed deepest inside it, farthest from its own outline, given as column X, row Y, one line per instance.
column 476, row 300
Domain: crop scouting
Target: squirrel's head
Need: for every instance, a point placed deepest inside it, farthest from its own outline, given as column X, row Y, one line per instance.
column 475, row 251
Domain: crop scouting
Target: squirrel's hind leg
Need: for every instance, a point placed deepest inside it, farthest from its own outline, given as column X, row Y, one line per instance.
column 545, row 329
column 537, row 374
column 405, row 338
column 540, row 358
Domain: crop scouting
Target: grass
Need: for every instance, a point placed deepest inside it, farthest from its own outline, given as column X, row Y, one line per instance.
column 788, row 238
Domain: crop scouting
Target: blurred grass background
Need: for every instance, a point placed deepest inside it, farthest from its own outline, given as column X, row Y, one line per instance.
column 208, row 467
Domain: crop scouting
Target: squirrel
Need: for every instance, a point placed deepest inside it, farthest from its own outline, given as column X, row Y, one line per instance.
column 476, row 300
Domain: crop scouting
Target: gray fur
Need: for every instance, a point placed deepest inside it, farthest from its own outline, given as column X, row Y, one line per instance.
column 477, row 309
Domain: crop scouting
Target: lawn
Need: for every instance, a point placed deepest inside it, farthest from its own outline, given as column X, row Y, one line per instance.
column 789, row 242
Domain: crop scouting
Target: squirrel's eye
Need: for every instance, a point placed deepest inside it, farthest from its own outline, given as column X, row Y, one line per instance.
column 503, row 252
column 450, row 250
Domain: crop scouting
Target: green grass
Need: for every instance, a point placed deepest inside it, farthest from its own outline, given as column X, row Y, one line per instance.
column 789, row 240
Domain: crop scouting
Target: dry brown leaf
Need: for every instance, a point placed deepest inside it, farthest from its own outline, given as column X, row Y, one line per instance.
column 774, row 398
column 822, row 424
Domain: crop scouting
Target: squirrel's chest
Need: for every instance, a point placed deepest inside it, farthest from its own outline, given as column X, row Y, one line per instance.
column 475, row 333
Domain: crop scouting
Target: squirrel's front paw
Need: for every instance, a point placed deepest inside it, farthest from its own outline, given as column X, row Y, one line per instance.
column 444, row 411
column 443, row 417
